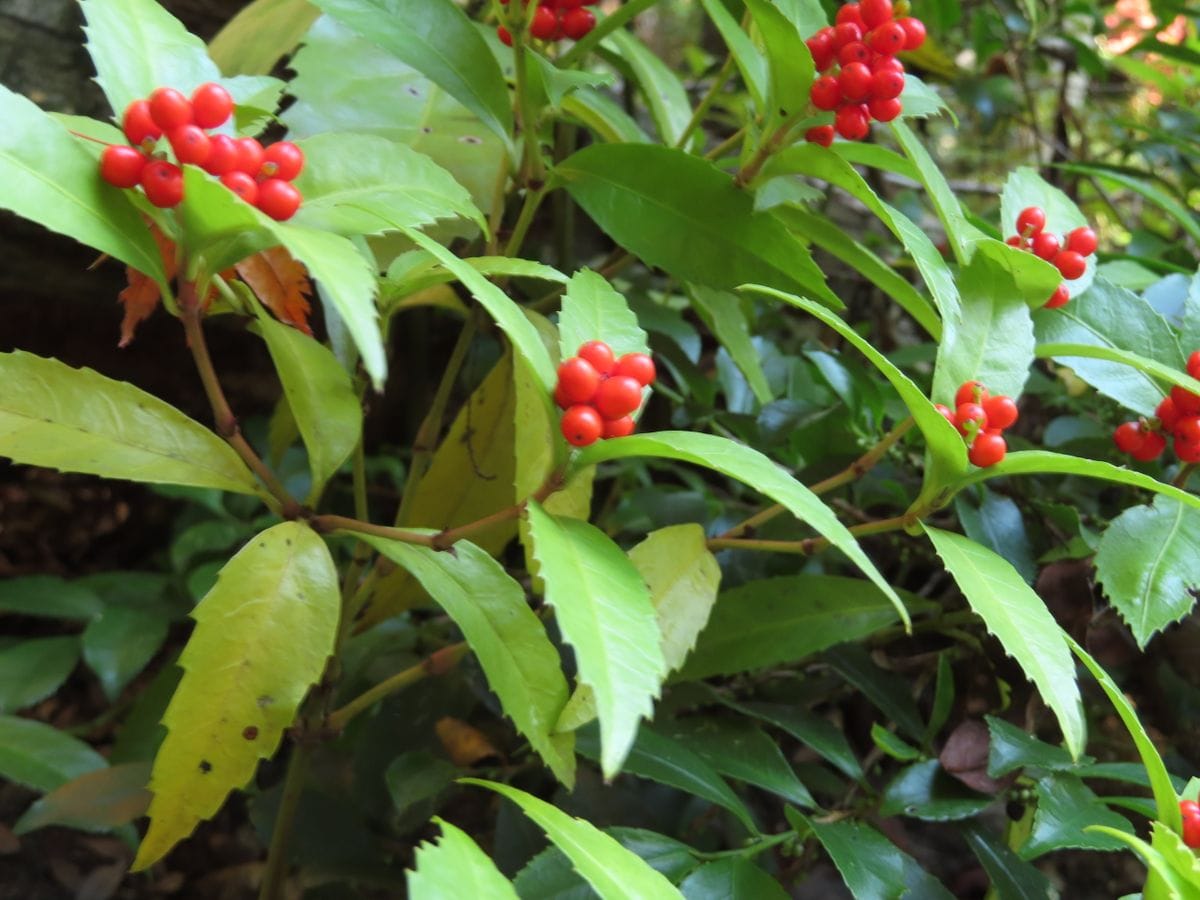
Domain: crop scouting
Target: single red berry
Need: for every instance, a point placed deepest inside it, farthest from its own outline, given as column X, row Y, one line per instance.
column 544, row 23
column 1017, row 241
column 820, row 45
column 1193, row 364
column 1187, row 428
column 1045, row 246
column 971, row 392
column 282, row 159
column 887, row 64
column 888, row 38
column 1001, row 411
column 1083, row 241
column 887, row 84
column 250, row 156
column 970, row 417
column 190, row 144
column 505, row 35
column 618, row 395
column 560, row 399
column 211, row 105
column 820, row 134
column 855, row 82
column 1187, row 403
column 122, row 166
column 163, row 183
column 1167, row 414
column 1031, row 221
column 577, row 380
column 1060, row 297
column 1153, row 444
column 582, row 425
column 1191, row 828
column 855, row 51
column 222, row 155
column 638, row 366
column 578, row 22
column 277, row 198
column 947, row 413
column 914, row 31
column 1070, row 264
column 1129, row 437
column 615, row 428
column 850, row 14
column 826, row 93
column 1187, row 451
column 885, row 110
column 853, row 122
column 241, row 184
column 170, row 109
column 875, row 12
column 600, row 355
column 846, row 33
column 138, row 124
column 989, row 448
column 1189, row 808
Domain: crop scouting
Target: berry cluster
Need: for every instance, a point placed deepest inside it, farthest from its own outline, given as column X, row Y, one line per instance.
column 599, row 392
column 862, row 79
column 1190, row 811
column 1177, row 416
column 554, row 20
column 261, row 177
column 1067, row 254
column 981, row 419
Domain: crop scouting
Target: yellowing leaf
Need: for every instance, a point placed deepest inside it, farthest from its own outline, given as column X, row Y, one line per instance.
column 142, row 294
column 263, row 634
column 281, row 283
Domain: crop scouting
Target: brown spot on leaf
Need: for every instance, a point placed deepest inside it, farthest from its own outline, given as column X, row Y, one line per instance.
column 250, row 732
column 205, row 766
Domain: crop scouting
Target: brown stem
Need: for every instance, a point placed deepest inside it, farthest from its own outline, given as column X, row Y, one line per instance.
column 438, row 663
column 809, row 546
column 327, row 522
column 1185, row 473
column 747, row 173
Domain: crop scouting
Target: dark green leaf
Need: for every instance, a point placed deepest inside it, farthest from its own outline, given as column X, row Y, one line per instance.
column 46, row 595
column 417, row 776
column 1148, row 189
column 925, row 791
column 34, row 668
column 890, row 695
column 119, row 642
column 872, row 866
column 550, row 875
column 997, row 524
column 812, row 730
column 1065, row 808
column 1010, row 748
column 789, row 63
column 722, row 313
column 1012, row 878
column 748, row 58
column 41, row 757
column 733, row 878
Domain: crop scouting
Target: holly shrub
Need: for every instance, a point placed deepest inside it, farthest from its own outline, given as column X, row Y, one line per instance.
column 729, row 550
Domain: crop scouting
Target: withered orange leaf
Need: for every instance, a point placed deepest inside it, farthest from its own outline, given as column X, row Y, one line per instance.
column 141, row 295
column 281, row 283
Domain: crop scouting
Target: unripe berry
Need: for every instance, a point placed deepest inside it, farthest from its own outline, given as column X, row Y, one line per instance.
column 875, row 12
column 222, row 155
column 1060, row 297
column 826, row 93
column 638, row 366
column 1031, row 221
column 138, row 124
column 282, row 159
column 855, row 82
column 277, row 198
column 122, row 166
column 600, row 355
column 1070, row 264
column 577, row 380
column 885, row 110
column 170, row 109
column 241, row 184
column 1045, row 246
column 163, row 183
column 211, row 105
column 190, row 144
column 577, row 22
column 582, row 425
column 989, row 448
column 618, row 396
column 1001, row 411
column 914, row 31
column 615, row 428
column 820, row 134
column 971, row 392
column 853, row 122
column 1083, row 241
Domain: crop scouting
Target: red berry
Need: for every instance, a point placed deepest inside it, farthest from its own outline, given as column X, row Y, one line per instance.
column 855, row 51
column 578, row 22
column 1031, row 221
column 544, row 23
column 1193, row 364
column 577, row 380
column 505, row 35
column 560, row 399
column 1060, row 297
column 211, row 105
column 222, row 155
column 846, row 33
column 887, row 84
column 820, row 134
column 622, row 427
column 617, row 396
column 190, row 143
column 887, row 64
column 1187, row 429
column 947, row 413
column 855, row 82
column 989, row 448
column 1045, row 246
column 1187, row 403
column 277, row 198
column 250, row 156
column 1187, row 451
column 241, row 184
column 970, row 417
column 283, row 159
column 1167, row 414
column 850, row 14
column 1017, row 241
column 138, row 124
column 1083, row 241
column 638, row 366
column 853, row 122
column 889, row 38
column 1001, row 411
column 875, row 12
column 163, row 183
column 122, row 166
column 1189, row 808
column 600, row 355
column 1191, row 830
column 1070, row 264
column 826, row 93
column 170, row 109
column 1128, row 437
column 885, row 110
column 971, row 392
column 582, row 425
column 914, row 31
column 820, row 45
column 1153, row 444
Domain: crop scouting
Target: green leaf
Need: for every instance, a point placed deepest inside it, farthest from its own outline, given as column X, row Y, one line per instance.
column 262, row 638
column 41, row 757
column 614, row 872
column 925, row 791
column 747, row 465
column 1149, row 564
column 119, row 643
column 34, row 668
column 921, row 100
column 683, row 214
column 722, row 313
column 1065, row 808
column 550, row 875
column 600, row 114
column 94, row 801
column 416, row 776
column 355, row 183
column 253, row 41
column 1020, row 621
column 77, row 420
column 1173, row 874
column 997, row 524
column 673, row 763
column 1023, row 188
column 783, row 620
column 320, row 395
column 604, row 611
column 455, row 867
column 665, row 97
column 593, row 311
column 1148, row 189
column 790, row 63
column 890, row 695
column 490, row 609
column 47, row 176
column 749, row 59
column 415, row 271
column 437, row 39
column 1010, row 748
column 820, row 735
column 732, row 878
column 872, row 866
column 1011, row 877
column 892, row 744
column 1112, row 318
column 551, row 84
column 46, row 595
